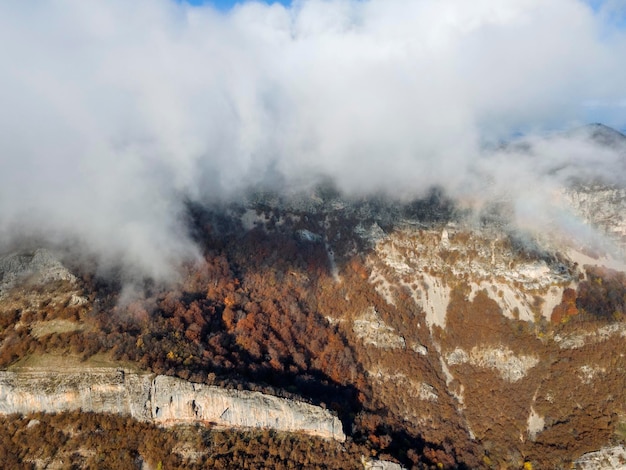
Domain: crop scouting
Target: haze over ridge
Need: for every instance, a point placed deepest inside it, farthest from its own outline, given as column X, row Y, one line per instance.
column 117, row 112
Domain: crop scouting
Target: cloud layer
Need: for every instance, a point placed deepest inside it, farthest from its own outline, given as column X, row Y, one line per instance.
column 115, row 112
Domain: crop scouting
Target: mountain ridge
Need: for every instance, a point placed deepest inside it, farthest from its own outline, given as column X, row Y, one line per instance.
column 412, row 320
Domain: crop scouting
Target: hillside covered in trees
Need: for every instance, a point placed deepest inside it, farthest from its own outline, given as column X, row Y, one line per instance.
column 313, row 305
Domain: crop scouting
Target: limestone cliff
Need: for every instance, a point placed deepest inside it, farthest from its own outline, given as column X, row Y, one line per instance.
column 174, row 400
column 104, row 390
column 163, row 400
column 603, row 206
column 39, row 267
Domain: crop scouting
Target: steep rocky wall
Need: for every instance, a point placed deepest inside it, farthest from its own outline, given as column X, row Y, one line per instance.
column 603, row 207
column 41, row 266
column 174, row 400
column 163, row 400
column 104, row 390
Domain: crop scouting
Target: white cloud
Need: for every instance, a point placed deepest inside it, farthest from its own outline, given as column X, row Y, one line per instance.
column 114, row 111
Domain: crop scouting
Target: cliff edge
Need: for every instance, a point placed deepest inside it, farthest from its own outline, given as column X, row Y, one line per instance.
column 160, row 399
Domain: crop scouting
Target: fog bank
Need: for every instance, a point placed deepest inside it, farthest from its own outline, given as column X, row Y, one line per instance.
column 117, row 112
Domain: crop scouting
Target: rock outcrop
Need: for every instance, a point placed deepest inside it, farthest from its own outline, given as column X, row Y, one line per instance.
column 370, row 328
column 602, row 206
column 174, row 401
column 39, row 266
column 511, row 367
column 102, row 390
column 609, row 458
column 381, row 465
column 160, row 399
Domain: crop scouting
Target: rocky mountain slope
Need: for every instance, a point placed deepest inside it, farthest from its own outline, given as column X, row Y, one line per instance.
column 162, row 400
column 436, row 336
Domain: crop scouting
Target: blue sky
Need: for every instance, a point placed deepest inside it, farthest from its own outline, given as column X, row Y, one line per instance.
column 617, row 15
column 227, row 4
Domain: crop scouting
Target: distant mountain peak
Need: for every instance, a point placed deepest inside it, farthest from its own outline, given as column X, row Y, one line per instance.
column 601, row 134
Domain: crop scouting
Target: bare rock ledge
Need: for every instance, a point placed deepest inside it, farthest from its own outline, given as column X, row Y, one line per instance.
column 159, row 399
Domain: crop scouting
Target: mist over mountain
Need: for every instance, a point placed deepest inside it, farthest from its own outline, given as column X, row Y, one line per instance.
column 334, row 234
column 117, row 114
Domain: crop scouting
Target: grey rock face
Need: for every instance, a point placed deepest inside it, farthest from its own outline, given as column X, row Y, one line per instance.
column 41, row 266
column 162, row 400
column 381, row 465
column 103, row 390
column 370, row 328
column 173, row 401
column 308, row 236
column 609, row 458
column 602, row 206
